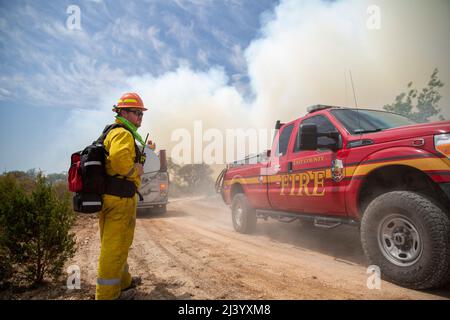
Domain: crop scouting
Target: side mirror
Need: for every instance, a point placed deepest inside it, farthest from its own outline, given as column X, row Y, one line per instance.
column 307, row 137
column 268, row 153
column 336, row 136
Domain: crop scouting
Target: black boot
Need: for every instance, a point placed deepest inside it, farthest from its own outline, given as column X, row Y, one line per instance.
column 135, row 281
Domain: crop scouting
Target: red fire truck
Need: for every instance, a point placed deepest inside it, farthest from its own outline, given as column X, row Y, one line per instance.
column 373, row 169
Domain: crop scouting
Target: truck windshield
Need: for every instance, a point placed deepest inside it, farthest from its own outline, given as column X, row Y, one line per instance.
column 367, row 121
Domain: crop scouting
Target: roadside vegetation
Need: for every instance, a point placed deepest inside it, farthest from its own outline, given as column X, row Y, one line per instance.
column 35, row 221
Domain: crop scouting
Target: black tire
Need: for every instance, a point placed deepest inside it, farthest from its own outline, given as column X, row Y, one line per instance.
column 416, row 226
column 242, row 214
column 159, row 210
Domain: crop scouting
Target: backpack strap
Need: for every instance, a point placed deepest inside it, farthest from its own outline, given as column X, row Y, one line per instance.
column 107, row 129
column 105, row 132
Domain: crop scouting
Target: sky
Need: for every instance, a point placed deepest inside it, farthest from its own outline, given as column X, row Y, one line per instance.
column 228, row 63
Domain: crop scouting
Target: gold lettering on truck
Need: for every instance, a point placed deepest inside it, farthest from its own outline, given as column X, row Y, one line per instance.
column 319, row 180
column 308, row 160
column 309, row 183
column 284, row 183
column 303, row 184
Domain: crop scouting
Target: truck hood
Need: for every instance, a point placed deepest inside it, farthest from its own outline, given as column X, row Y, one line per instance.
column 406, row 132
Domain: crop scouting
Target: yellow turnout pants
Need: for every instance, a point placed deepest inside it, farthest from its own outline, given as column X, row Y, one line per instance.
column 117, row 221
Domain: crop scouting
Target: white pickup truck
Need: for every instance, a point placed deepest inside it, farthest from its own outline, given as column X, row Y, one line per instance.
column 155, row 183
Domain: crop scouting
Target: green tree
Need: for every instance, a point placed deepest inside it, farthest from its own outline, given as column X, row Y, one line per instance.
column 5, row 267
column 26, row 181
column 12, row 197
column 57, row 177
column 32, row 173
column 34, row 232
column 174, row 170
column 426, row 102
column 197, row 177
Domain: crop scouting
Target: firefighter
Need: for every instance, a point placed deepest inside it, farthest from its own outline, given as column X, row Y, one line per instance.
column 118, row 215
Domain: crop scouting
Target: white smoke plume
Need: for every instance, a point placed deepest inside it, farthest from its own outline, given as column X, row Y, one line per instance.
column 302, row 57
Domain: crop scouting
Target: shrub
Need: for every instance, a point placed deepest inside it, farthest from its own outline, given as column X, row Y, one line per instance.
column 34, row 232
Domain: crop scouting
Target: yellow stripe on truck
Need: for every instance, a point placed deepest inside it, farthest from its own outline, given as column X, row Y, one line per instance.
column 426, row 164
column 243, row 180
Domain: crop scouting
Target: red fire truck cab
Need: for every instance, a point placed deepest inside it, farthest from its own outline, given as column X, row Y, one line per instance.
column 373, row 169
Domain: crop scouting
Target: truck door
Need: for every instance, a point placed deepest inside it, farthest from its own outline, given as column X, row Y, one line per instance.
column 316, row 183
column 278, row 167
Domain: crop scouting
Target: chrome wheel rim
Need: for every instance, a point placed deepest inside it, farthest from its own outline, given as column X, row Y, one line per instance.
column 399, row 240
column 238, row 215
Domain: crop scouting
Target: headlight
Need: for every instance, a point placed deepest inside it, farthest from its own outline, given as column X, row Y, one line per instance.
column 442, row 144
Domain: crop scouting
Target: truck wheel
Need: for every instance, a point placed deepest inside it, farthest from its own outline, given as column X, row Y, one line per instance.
column 243, row 215
column 408, row 237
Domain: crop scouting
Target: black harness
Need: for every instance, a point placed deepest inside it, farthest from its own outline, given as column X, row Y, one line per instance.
column 118, row 185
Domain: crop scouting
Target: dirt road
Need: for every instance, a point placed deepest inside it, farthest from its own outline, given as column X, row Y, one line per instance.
column 192, row 252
